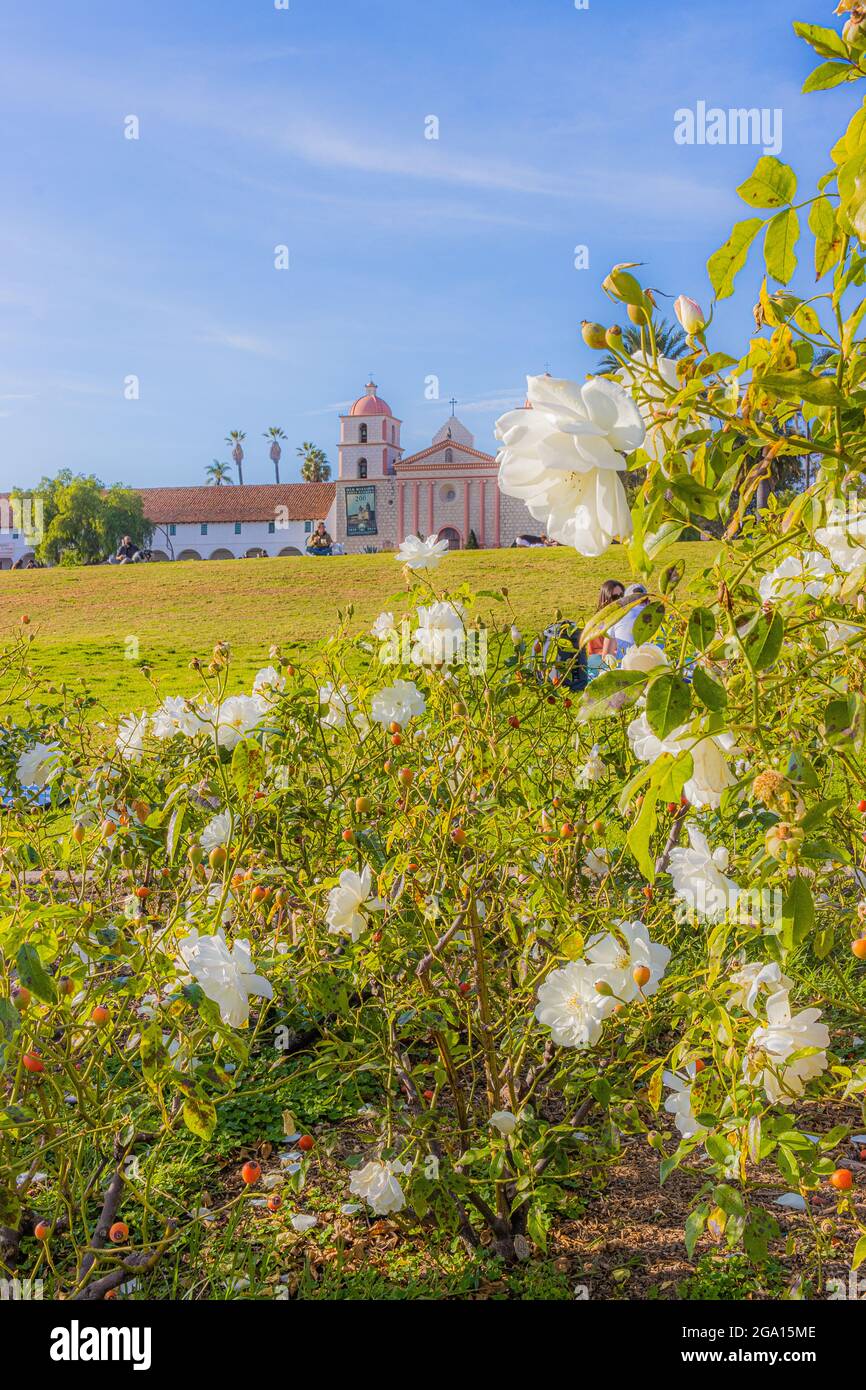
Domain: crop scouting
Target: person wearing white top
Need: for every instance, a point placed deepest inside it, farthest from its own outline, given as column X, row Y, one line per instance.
column 622, row 632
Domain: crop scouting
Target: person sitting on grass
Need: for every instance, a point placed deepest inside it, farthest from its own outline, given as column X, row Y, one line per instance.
column 603, row 646
column 126, row 552
column 621, row 634
column 320, row 542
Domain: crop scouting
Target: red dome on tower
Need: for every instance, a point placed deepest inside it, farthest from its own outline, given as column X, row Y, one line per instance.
column 370, row 404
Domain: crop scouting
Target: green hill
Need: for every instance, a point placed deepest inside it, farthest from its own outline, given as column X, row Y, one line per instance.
column 99, row 623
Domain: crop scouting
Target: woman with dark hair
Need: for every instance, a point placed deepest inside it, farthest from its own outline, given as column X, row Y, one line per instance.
column 597, row 648
column 621, row 634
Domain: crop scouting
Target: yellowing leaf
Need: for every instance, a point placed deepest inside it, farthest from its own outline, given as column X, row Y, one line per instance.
column 725, row 264
column 782, row 236
column 771, row 185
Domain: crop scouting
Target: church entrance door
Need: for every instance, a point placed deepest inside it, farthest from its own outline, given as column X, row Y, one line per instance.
column 451, row 536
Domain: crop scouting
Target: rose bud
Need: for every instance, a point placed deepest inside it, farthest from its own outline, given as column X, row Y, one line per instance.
column 594, row 335
column 690, row 315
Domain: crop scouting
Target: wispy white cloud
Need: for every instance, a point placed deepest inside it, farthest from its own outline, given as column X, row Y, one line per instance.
column 336, row 408
column 278, row 127
column 240, row 342
column 500, row 399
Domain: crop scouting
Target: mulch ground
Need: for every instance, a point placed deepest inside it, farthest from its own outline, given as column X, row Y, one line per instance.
column 627, row 1244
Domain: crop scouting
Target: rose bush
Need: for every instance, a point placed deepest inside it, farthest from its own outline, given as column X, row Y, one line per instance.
column 538, row 923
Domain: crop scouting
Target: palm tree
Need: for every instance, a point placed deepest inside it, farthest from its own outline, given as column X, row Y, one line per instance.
column 218, row 473
column 314, row 466
column 235, row 439
column 670, row 341
column 275, row 434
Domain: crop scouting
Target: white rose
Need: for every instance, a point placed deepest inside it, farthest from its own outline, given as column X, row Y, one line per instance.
column 645, row 658
column 564, row 456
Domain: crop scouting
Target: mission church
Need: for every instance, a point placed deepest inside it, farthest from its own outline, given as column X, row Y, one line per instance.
column 449, row 489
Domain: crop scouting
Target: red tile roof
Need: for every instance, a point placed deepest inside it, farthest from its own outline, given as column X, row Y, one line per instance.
column 247, row 502
column 440, row 448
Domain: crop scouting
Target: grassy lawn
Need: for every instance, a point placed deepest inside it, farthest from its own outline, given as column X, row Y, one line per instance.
column 98, row 623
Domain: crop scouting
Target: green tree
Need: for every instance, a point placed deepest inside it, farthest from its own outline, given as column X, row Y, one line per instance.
column 84, row 521
column 235, row 440
column 218, row 473
column 314, row 463
column 275, row 435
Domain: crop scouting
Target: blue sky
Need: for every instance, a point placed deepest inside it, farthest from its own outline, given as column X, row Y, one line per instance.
column 409, row 257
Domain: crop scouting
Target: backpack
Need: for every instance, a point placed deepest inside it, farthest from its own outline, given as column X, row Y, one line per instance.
column 562, row 656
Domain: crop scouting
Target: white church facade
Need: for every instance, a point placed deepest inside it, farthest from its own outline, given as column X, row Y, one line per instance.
column 450, row 489
column 243, row 521
column 379, row 496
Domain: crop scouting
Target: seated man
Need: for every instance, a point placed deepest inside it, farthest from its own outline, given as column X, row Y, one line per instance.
column 320, row 542
column 126, row 551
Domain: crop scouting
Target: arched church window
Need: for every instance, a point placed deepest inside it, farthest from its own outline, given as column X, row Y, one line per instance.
column 363, row 434
column 449, row 455
column 362, row 468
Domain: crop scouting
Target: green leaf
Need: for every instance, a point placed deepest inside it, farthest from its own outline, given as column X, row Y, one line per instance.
column 821, row 849
column 719, row 1150
column 759, row 1230
column 852, row 191
column 764, row 642
column 801, row 385
column 248, row 767
column 694, row 1229
column 725, row 264
column 668, row 533
column 668, row 703
column 828, row 75
column 10, row 1208
column 702, row 628
column 702, row 500
column 10, row 1022
column 834, row 1136
column 175, row 826
column 611, row 692
column 600, row 1091
column 801, row 771
column 708, row 691
column 674, row 775
column 648, row 621
column 153, row 1053
column 844, row 721
column 370, row 843
column 852, row 140
column 771, row 185
column 200, row 1116
column 828, row 237
column 538, row 1225
column 780, row 242
column 34, row 976
column 859, row 1253
column 640, row 835
column 729, row 1199
column 819, row 812
column 798, row 913
column 654, row 1089
column 827, row 42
